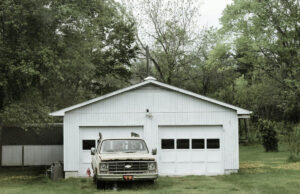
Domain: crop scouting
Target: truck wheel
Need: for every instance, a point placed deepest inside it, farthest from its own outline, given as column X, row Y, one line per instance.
column 100, row 184
column 150, row 182
column 94, row 179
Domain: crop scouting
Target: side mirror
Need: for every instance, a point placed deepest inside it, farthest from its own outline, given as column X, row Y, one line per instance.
column 93, row 151
column 154, row 151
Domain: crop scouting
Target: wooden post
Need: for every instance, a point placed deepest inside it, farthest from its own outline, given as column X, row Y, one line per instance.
column 22, row 157
column 240, row 129
column 246, row 129
column 1, row 129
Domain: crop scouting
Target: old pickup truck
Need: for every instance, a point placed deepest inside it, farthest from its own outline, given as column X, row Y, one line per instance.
column 123, row 159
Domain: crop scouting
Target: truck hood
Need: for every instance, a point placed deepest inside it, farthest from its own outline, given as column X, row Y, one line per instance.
column 126, row 156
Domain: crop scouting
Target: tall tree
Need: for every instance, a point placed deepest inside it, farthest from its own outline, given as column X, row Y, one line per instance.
column 169, row 29
column 266, row 44
column 56, row 53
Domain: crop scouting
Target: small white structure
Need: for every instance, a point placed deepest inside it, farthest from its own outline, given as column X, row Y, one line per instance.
column 194, row 134
column 31, row 155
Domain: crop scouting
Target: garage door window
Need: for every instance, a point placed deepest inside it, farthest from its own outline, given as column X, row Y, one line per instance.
column 213, row 143
column 88, row 144
column 167, row 144
column 198, row 144
column 183, row 143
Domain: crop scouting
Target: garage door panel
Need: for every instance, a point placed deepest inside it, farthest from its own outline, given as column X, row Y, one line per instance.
column 183, row 169
column 198, row 156
column 168, row 156
column 213, row 135
column 213, row 168
column 182, row 134
column 214, row 156
column 166, row 168
column 183, row 156
column 85, row 157
column 198, row 168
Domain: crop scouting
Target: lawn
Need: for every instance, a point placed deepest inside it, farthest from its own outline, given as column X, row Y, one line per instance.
column 260, row 172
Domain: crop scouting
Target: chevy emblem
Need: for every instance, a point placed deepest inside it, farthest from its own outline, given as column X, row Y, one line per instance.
column 128, row 166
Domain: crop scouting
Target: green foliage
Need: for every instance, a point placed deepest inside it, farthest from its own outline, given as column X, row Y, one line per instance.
column 57, row 53
column 293, row 139
column 268, row 135
column 266, row 46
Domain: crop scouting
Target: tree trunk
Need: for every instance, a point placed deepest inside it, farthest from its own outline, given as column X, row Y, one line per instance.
column 1, row 129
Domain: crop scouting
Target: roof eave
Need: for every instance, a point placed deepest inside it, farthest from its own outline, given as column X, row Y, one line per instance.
column 57, row 114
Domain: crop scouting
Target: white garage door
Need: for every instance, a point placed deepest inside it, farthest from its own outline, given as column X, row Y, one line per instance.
column 88, row 139
column 190, row 150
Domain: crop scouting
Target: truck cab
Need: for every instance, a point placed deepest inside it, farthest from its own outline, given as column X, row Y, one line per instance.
column 123, row 159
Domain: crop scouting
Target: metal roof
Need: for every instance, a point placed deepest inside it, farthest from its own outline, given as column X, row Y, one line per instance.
column 152, row 80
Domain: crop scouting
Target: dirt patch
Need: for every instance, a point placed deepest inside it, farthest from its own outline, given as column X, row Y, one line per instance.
column 289, row 166
column 251, row 165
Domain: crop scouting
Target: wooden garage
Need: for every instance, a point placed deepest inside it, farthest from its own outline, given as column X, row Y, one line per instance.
column 194, row 134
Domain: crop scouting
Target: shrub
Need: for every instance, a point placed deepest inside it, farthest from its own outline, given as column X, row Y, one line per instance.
column 293, row 158
column 293, row 139
column 268, row 135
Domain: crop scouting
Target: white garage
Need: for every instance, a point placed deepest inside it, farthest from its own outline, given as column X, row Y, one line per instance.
column 194, row 134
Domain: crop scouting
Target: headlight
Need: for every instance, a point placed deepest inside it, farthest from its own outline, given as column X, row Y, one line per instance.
column 103, row 166
column 152, row 166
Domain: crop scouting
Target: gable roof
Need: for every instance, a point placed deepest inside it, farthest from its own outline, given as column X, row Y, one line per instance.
column 151, row 80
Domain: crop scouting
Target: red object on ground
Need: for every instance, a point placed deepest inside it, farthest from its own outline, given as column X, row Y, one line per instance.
column 88, row 172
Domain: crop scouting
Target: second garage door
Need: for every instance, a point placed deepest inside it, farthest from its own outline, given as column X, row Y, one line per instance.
column 190, row 150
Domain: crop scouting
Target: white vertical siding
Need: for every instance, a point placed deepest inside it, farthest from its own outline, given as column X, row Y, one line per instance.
column 167, row 108
column 42, row 155
column 12, row 155
column 33, row 154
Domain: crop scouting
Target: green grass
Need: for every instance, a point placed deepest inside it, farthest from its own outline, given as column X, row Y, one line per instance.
column 260, row 172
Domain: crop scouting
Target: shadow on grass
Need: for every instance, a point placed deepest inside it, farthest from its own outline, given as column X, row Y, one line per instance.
column 132, row 185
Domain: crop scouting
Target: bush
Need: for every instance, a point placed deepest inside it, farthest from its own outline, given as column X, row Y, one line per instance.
column 293, row 158
column 293, row 139
column 268, row 135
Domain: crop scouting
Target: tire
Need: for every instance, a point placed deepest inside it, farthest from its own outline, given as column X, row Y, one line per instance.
column 94, row 179
column 95, row 176
column 100, row 184
column 150, row 182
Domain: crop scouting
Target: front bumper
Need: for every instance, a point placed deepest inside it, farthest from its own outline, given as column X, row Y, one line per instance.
column 119, row 177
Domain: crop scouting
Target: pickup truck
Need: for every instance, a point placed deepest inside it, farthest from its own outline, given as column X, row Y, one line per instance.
column 123, row 159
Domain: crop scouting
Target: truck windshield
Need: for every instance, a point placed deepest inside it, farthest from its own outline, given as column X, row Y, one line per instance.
column 124, row 145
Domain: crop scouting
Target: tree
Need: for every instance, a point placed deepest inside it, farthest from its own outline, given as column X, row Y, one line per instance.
column 56, row 53
column 293, row 139
column 169, row 29
column 265, row 37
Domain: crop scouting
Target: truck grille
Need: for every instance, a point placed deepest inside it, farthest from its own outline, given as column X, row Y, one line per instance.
column 127, row 167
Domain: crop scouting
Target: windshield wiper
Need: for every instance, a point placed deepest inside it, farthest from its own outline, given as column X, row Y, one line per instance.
column 130, row 152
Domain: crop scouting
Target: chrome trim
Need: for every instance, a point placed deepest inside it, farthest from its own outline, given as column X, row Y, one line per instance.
column 122, row 167
column 119, row 177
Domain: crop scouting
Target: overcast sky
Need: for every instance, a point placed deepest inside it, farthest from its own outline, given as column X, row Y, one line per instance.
column 211, row 11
